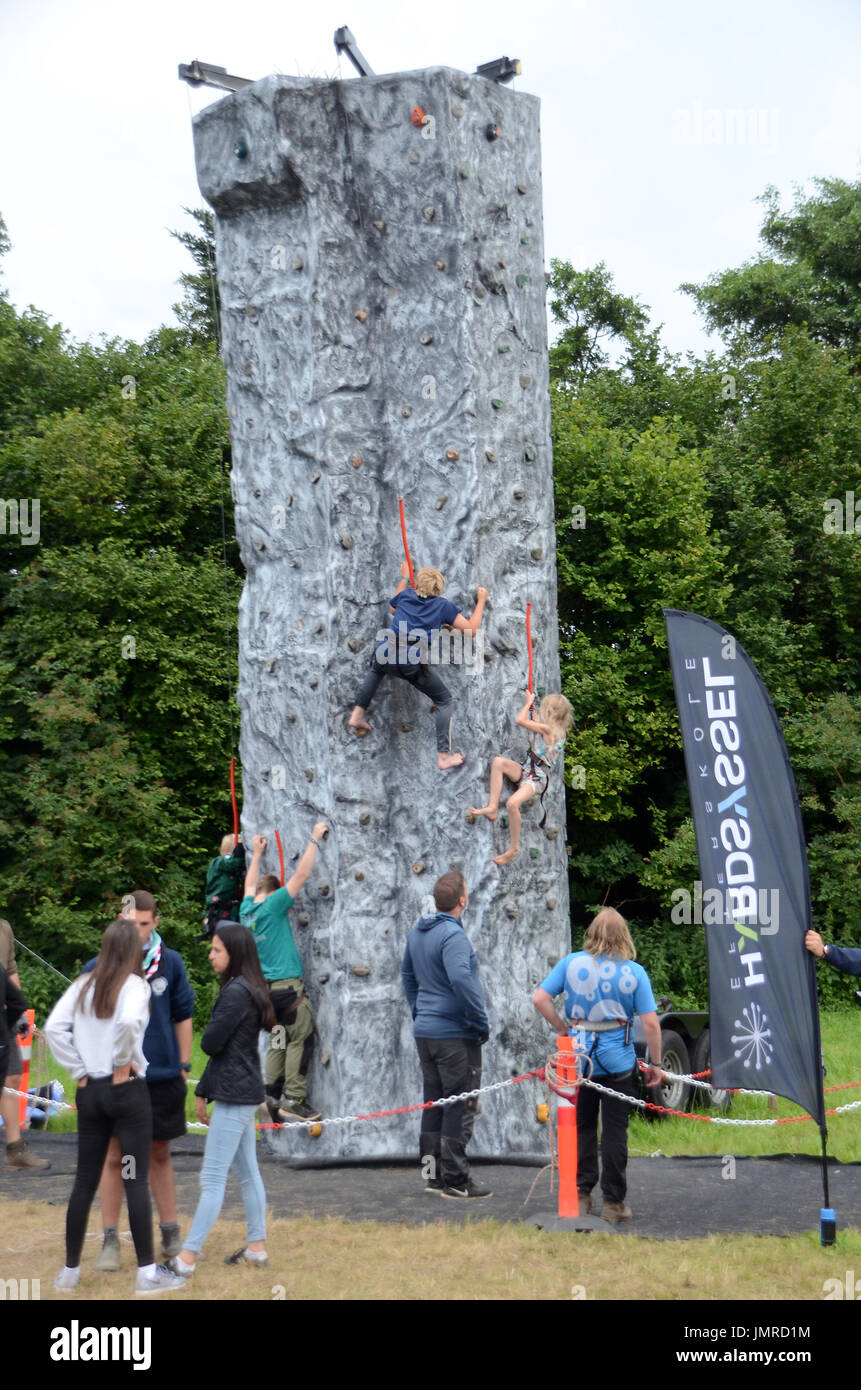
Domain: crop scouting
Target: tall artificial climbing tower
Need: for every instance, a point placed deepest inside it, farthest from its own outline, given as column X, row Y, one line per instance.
column 380, row 261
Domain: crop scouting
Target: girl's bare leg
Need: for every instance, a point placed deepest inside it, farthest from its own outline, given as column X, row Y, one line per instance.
column 499, row 768
column 520, row 798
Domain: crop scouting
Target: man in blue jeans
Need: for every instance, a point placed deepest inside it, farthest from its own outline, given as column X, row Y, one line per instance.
column 440, row 978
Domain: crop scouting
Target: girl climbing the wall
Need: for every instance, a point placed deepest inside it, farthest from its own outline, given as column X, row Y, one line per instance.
column 410, row 641
column 546, row 744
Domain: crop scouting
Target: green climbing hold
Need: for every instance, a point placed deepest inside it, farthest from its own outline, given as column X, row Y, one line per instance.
column 240, row 149
column 520, row 281
column 503, row 821
column 541, row 691
column 504, row 347
column 497, row 403
column 534, row 853
column 524, row 241
column 529, row 454
column 464, row 172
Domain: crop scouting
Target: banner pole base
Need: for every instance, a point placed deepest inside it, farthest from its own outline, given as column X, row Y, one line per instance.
column 827, row 1226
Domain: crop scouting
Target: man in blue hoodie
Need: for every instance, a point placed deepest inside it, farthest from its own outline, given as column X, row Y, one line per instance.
column 846, row 958
column 440, row 977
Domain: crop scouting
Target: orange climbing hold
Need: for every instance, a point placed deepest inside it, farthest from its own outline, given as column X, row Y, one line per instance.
column 418, row 116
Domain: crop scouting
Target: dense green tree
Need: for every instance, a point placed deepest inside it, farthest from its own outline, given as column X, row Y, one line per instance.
column 199, row 310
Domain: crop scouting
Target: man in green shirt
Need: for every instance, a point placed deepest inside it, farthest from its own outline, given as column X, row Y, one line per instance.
column 264, row 911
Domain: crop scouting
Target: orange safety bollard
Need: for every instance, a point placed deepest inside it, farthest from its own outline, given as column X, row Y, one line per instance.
column 566, row 1134
column 25, row 1043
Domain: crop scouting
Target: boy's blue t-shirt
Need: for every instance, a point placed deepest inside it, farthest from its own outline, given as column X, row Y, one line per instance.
column 602, row 987
column 421, row 614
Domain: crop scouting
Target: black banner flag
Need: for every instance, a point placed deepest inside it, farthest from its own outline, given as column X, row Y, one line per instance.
column 764, row 1017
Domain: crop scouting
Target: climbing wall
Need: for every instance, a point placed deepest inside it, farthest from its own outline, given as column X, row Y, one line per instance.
column 380, row 262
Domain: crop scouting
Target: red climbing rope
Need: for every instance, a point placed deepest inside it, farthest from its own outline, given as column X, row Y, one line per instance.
column 529, row 643
column 404, row 535
column 233, row 797
column 280, row 854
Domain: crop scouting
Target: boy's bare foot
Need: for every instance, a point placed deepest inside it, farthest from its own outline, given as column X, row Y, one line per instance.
column 490, row 812
column 444, row 760
column 507, row 857
column 359, row 724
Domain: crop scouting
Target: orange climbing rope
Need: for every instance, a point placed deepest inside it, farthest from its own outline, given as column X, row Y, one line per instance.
column 280, row 854
column 233, row 798
column 404, row 536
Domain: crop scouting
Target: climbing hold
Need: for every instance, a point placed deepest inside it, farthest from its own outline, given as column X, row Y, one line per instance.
column 297, row 318
column 313, row 683
column 512, row 911
column 541, row 692
column 429, row 212
column 379, row 224
column 414, row 156
column 347, row 542
column 492, row 132
column 425, row 338
column 519, row 493
column 525, row 380
column 503, row 821
column 418, row 868
column 406, row 726
column 490, row 456
column 356, row 460
column 469, row 818
column 319, row 629
column 271, row 667
column 314, row 1131
column 440, row 265
column 361, row 971
column 325, row 1055
column 303, row 919
column 252, row 311
column 463, row 172
column 497, row 403
column 521, row 188
column 323, row 979
column 247, row 368
column 520, row 281
column 315, row 477
column 325, row 890
column 529, row 453
column 501, row 264
column 457, row 110
column 440, row 502
column 479, row 291
column 417, row 116
column 298, row 263
column 452, row 454
column 294, row 415
column 240, row 148
column 309, row 774
column 534, row 853
column 365, row 818
column 407, row 411
column 291, row 718
column 361, row 315
column 552, row 831
column 525, row 240
column 360, row 877
column 353, row 643
column 542, row 1112
column 504, row 347
column 551, row 904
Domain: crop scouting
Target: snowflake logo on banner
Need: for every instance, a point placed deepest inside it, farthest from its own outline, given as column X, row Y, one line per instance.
column 753, row 1038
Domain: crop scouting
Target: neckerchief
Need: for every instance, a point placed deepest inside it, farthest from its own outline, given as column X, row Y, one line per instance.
column 152, row 955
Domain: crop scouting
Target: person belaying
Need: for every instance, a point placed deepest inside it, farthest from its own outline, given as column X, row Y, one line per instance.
column 546, row 742
column 409, row 647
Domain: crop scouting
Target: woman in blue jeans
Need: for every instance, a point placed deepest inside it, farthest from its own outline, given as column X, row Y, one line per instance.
column 232, row 1079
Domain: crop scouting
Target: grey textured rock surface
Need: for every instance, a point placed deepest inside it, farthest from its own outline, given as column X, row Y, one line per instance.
column 384, row 331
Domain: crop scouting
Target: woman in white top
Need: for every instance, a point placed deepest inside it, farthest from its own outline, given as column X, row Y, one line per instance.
column 95, row 1031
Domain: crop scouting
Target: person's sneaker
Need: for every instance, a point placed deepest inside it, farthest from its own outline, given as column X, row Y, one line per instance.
column 584, row 1202
column 171, row 1243
column 67, row 1279
column 163, row 1281
column 259, row 1258
column 179, row 1267
column 18, row 1155
column 434, row 1185
column 298, row 1110
column 468, row 1189
column 616, row 1211
column 109, row 1255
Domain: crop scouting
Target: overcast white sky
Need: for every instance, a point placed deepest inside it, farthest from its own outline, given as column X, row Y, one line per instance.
column 638, row 169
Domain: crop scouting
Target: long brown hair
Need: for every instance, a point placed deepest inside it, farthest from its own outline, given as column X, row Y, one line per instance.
column 241, row 948
column 119, row 957
column 608, row 935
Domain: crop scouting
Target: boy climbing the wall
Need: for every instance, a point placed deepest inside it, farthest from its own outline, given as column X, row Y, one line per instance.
column 417, row 614
column 224, row 879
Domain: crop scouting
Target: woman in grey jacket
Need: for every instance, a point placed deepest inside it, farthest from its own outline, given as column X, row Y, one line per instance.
column 232, row 1079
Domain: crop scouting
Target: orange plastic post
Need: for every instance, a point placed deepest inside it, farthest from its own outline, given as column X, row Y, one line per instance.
column 26, row 1045
column 566, row 1135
